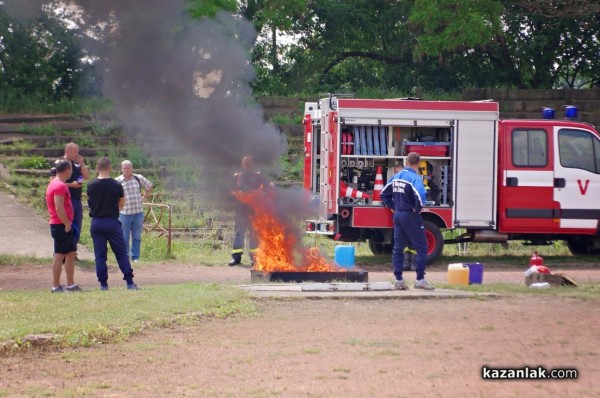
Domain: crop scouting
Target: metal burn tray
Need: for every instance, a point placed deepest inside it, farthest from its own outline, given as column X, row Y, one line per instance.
column 304, row 276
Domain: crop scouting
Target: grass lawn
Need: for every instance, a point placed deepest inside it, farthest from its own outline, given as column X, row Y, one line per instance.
column 91, row 317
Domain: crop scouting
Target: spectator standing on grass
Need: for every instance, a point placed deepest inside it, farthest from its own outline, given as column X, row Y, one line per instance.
column 79, row 174
column 132, row 214
column 64, row 233
column 405, row 195
column 105, row 199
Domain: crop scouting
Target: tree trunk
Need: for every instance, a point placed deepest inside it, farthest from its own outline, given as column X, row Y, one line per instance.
column 274, row 59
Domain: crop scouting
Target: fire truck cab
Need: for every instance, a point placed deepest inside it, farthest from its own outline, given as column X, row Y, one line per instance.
column 497, row 180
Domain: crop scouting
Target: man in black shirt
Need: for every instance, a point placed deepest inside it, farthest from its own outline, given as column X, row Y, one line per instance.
column 105, row 198
column 75, row 182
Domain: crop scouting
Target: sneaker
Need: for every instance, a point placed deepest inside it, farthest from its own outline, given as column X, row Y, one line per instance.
column 58, row 289
column 132, row 286
column 135, row 260
column 103, row 287
column 74, row 288
column 423, row 284
column 400, row 285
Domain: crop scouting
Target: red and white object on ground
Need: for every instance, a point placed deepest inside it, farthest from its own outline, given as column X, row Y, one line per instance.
column 536, row 265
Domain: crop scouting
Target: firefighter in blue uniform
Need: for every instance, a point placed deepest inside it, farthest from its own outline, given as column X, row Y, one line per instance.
column 405, row 195
column 245, row 181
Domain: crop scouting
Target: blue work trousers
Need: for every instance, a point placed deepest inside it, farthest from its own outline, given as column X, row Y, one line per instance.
column 408, row 228
column 133, row 225
column 77, row 216
column 108, row 230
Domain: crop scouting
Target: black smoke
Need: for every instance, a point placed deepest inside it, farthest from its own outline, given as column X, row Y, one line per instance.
column 152, row 57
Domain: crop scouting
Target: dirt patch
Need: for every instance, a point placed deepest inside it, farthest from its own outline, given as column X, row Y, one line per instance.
column 324, row 348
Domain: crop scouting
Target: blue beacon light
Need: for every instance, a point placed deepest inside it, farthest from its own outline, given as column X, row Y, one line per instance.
column 570, row 112
column 547, row 113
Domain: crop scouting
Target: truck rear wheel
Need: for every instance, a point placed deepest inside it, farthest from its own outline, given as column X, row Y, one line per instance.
column 378, row 245
column 435, row 241
column 582, row 247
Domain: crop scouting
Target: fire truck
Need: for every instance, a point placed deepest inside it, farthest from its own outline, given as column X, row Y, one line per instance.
column 492, row 180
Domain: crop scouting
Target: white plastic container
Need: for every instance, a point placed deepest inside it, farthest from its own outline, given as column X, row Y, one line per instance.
column 540, row 285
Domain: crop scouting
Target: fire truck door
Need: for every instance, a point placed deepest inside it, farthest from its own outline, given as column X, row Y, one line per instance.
column 526, row 192
column 475, row 173
column 577, row 178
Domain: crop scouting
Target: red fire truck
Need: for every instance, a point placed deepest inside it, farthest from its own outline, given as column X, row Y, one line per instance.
column 497, row 180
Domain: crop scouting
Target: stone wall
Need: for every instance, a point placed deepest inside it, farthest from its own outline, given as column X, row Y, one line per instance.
column 514, row 104
column 528, row 104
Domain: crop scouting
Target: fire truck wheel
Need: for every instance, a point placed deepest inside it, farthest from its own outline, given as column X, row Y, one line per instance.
column 435, row 241
column 579, row 247
column 377, row 244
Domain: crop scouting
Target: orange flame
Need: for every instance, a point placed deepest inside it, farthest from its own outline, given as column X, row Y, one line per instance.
column 278, row 247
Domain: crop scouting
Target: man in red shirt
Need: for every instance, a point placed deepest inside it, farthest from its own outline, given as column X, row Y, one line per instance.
column 60, row 209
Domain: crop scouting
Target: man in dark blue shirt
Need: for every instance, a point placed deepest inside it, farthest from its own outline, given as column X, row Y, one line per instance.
column 405, row 195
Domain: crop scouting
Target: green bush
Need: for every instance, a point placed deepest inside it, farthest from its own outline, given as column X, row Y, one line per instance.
column 33, row 162
column 44, row 129
column 286, row 120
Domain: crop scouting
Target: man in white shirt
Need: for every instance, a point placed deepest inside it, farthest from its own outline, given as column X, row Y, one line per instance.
column 132, row 214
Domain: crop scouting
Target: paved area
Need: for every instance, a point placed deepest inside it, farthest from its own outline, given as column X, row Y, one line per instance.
column 22, row 232
column 331, row 291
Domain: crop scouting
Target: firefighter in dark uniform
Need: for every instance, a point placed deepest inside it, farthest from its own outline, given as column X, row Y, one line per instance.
column 405, row 196
column 245, row 181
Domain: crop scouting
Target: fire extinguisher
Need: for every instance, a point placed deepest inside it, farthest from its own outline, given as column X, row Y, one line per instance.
column 538, row 262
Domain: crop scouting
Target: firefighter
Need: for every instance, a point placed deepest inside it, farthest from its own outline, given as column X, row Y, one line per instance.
column 404, row 195
column 244, row 181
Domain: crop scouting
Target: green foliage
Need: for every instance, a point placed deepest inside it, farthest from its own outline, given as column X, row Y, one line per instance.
column 437, row 45
column 33, row 162
column 286, row 120
column 292, row 166
column 448, row 25
column 84, row 140
column 116, row 154
column 41, row 129
column 38, row 59
column 14, row 101
column 18, row 145
column 209, row 8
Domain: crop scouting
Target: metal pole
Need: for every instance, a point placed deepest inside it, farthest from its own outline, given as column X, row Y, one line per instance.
column 169, row 234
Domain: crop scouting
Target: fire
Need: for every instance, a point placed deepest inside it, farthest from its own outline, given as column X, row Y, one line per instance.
column 279, row 248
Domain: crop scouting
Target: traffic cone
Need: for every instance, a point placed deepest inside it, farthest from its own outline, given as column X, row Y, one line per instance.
column 378, row 186
column 348, row 192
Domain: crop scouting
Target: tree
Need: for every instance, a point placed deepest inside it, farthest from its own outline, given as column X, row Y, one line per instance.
column 38, row 58
column 530, row 43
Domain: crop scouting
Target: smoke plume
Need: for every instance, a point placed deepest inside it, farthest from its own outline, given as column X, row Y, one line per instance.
column 181, row 84
column 175, row 82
